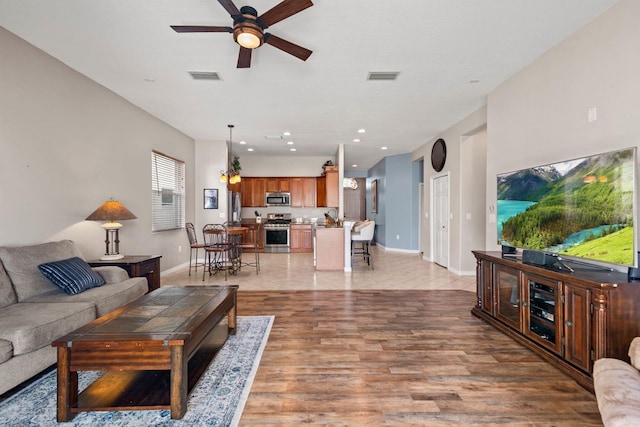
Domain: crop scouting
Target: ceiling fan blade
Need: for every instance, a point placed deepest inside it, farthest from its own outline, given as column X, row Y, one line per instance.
column 244, row 58
column 229, row 7
column 200, row 29
column 286, row 46
column 284, row 10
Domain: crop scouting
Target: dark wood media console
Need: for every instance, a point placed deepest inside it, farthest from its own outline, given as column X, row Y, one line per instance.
column 570, row 319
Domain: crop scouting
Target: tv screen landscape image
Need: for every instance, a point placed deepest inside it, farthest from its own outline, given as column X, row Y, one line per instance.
column 582, row 208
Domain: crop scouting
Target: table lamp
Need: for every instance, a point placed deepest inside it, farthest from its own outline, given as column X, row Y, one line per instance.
column 111, row 211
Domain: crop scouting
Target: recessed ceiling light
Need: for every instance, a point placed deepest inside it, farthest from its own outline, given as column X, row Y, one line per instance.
column 287, row 134
column 383, row 148
column 249, row 149
column 290, row 143
column 292, row 149
column 361, row 131
column 243, row 142
column 356, row 140
column 354, row 166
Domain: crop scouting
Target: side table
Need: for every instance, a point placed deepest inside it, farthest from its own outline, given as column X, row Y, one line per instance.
column 137, row 266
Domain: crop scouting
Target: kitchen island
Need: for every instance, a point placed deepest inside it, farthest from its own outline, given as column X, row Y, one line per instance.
column 332, row 247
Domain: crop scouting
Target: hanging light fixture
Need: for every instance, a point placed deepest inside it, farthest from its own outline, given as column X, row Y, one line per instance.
column 231, row 175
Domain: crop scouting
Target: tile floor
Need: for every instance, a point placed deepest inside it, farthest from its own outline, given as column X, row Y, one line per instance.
column 392, row 270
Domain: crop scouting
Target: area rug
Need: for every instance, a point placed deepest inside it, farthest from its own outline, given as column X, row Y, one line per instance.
column 217, row 400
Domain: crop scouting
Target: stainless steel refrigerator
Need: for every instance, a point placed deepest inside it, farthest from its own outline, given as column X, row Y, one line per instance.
column 234, row 207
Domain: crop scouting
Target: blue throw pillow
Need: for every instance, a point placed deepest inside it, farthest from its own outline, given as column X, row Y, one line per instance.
column 72, row 275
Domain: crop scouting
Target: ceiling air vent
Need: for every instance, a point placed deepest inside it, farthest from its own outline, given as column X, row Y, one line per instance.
column 205, row 75
column 383, row 75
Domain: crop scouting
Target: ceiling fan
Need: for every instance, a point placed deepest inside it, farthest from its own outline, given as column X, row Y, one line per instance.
column 248, row 28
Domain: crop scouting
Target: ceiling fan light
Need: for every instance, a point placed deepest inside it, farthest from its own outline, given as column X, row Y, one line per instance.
column 247, row 36
column 248, row 40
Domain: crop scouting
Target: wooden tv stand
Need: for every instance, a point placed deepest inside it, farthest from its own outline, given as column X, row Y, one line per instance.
column 570, row 319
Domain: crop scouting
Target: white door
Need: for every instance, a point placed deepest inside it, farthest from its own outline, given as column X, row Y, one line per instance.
column 441, row 220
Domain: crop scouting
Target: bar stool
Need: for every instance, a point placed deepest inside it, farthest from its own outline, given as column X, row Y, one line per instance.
column 193, row 242
column 362, row 234
column 217, row 248
column 251, row 241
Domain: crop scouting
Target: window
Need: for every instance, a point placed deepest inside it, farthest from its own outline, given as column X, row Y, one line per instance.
column 167, row 192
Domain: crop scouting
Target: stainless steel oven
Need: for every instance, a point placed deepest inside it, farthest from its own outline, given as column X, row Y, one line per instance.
column 276, row 233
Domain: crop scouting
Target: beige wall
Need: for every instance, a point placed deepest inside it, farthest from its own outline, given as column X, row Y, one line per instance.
column 539, row 116
column 67, row 144
column 454, row 137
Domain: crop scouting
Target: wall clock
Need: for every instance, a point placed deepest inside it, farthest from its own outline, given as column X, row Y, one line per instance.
column 438, row 154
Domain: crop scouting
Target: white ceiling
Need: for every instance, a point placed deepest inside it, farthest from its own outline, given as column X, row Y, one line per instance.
column 438, row 46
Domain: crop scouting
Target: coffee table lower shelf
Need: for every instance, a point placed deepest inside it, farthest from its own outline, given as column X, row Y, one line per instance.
column 146, row 390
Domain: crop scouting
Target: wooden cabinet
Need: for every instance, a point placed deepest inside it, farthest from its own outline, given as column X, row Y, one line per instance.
column 507, row 293
column 137, row 266
column 300, row 238
column 303, row 192
column 321, row 191
column 570, row 319
column 278, row 185
column 253, row 191
column 332, row 188
column 577, row 326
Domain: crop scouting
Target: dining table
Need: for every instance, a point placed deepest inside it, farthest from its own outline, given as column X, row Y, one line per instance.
column 231, row 258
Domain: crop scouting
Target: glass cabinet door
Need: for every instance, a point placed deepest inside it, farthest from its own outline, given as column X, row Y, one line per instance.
column 507, row 295
column 543, row 311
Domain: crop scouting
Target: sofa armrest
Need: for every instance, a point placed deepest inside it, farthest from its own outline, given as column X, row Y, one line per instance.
column 112, row 274
column 634, row 352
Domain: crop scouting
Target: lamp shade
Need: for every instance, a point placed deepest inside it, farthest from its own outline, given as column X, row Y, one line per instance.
column 112, row 211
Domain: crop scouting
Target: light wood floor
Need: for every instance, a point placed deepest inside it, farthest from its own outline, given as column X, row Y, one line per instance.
column 396, row 345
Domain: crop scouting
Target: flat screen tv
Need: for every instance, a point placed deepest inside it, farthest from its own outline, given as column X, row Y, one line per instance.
column 582, row 208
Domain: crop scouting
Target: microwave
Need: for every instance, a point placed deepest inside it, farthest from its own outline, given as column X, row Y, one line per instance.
column 277, row 199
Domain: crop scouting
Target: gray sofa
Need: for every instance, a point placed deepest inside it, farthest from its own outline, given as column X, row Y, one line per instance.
column 617, row 387
column 34, row 311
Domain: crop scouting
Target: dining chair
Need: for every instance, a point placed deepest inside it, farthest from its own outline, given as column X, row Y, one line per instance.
column 194, row 245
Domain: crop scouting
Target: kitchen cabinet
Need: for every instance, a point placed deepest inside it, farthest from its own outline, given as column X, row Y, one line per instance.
column 301, row 238
column 303, row 192
column 321, row 191
column 278, row 185
column 570, row 319
column 253, row 191
column 332, row 188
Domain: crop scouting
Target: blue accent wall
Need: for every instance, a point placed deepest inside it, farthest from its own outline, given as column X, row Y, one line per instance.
column 397, row 215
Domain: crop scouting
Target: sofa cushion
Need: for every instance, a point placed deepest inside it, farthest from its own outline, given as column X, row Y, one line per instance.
column 112, row 274
column 30, row 326
column 21, row 264
column 7, row 295
column 72, row 275
column 6, row 350
column 106, row 298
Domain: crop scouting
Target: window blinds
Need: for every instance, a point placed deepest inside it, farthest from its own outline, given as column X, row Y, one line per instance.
column 167, row 192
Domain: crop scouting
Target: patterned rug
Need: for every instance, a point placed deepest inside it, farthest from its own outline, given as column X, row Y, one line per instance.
column 217, row 400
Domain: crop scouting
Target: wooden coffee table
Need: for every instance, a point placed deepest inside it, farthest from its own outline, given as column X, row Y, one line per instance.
column 154, row 351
